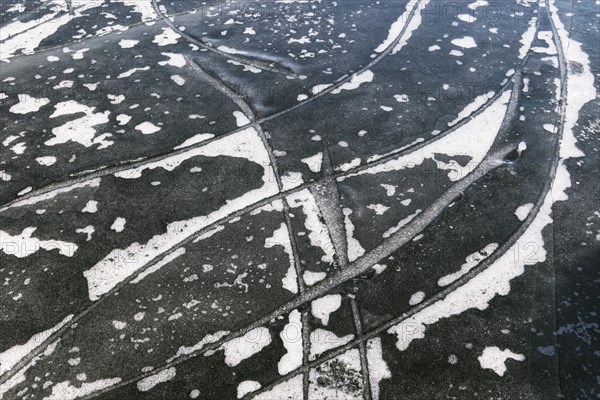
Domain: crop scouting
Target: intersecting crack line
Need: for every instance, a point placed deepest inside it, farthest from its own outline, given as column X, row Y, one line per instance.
column 357, row 267
column 249, row 113
column 328, row 201
column 394, row 242
column 263, row 202
column 385, row 325
column 129, row 164
column 354, row 269
column 377, row 330
column 82, row 313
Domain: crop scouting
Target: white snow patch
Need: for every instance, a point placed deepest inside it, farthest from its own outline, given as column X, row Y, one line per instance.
column 527, row 38
column 523, row 211
column 46, row 161
column 175, row 60
column 322, row 340
column 401, row 224
column 378, row 369
column 310, row 277
column 318, row 231
column 355, row 81
column 90, row 207
column 208, row 339
column 319, row 88
column 88, row 230
column 240, row 118
column 123, row 119
column 390, row 190
column 128, row 44
column 246, row 387
column 23, row 245
column 167, row 37
column 467, row 18
column 147, row 128
column 79, row 130
column 130, row 72
column 322, row 308
column 118, row 225
column 349, row 165
column 228, row 50
column 416, row 298
column 291, row 336
column 242, row 348
column 5, row 176
column 178, row 80
column 28, row 104
column 199, row 138
column 314, row 162
column 378, row 208
column 151, row 381
column 471, row 262
column 281, row 237
column 477, row 4
column 355, row 249
column 495, row 359
column 466, row 42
